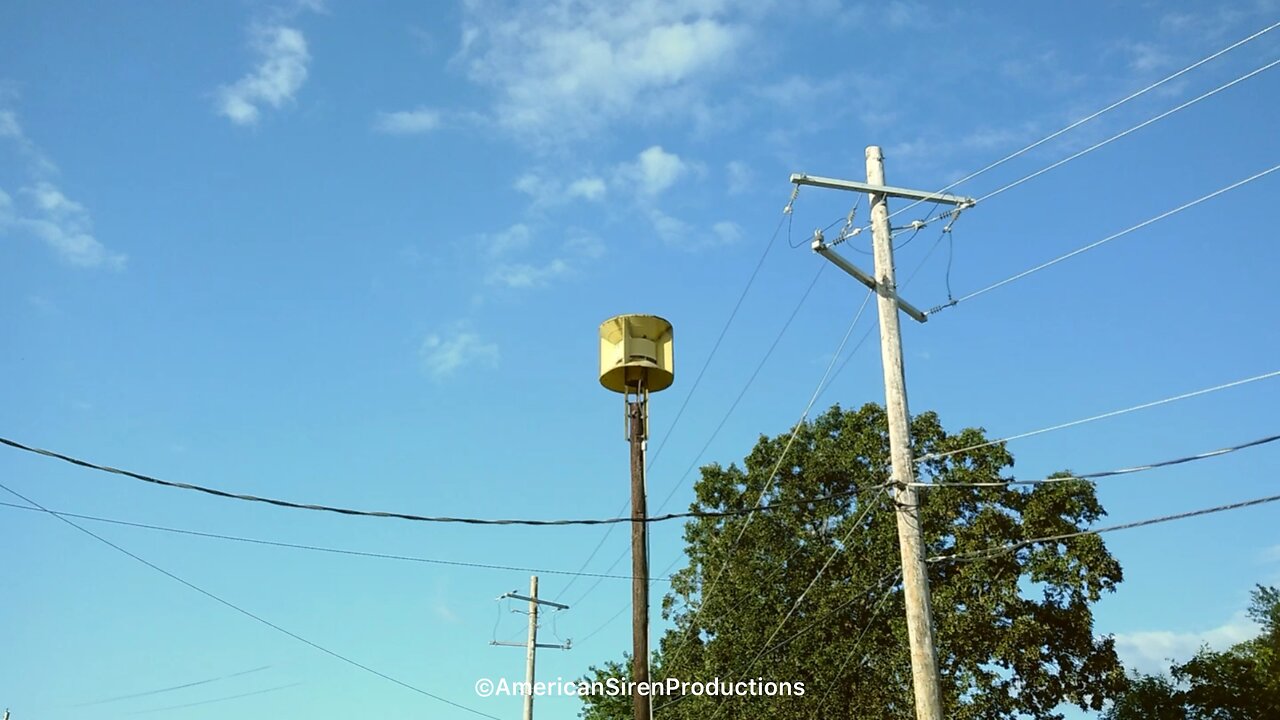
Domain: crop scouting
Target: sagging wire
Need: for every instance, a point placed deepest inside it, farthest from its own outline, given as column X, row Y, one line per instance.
column 952, row 216
column 849, row 230
column 789, row 212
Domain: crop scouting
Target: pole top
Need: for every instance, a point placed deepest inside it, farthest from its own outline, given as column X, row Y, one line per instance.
column 636, row 354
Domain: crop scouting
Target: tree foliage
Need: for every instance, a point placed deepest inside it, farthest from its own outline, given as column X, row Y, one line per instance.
column 1241, row 683
column 1014, row 631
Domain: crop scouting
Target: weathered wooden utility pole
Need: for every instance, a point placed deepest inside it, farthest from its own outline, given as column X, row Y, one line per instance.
column 915, row 578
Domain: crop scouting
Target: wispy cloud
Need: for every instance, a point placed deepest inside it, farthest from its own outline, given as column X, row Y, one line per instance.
column 525, row 275
column 653, row 171
column 443, row 355
column 685, row 236
column 587, row 188
column 571, row 254
column 1151, row 651
column 1145, row 57
column 738, row 177
column 407, row 122
column 566, row 68
column 547, row 191
column 279, row 75
column 65, row 225
column 46, row 212
column 11, row 130
column 504, row 242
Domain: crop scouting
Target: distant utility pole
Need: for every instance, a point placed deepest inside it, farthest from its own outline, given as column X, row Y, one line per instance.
column 915, row 578
column 532, row 645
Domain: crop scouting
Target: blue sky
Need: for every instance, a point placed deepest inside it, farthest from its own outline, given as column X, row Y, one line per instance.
column 358, row 255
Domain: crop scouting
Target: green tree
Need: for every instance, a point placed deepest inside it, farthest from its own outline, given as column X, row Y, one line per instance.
column 1241, row 683
column 1014, row 630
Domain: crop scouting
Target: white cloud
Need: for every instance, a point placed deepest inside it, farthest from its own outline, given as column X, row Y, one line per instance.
column 577, row 250
column 442, row 356
column 505, row 242
column 688, row 237
column 565, row 68
column 587, row 188
column 1146, row 57
column 51, row 201
column 653, row 171
column 672, row 231
column 545, row 191
column 738, row 177
column 587, row 246
column 9, row 127
column 280, row 73
column 727, row 232
column 525, row 275
column 407, row 122
column 1151, row 651
column 60, row 222
column 49, row 215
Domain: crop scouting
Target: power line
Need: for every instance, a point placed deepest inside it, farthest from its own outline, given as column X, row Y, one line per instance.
column 916, row 271
column 216, row 700
column 321, row 548
column 853, row 527
column 1096, row 114
column 823, row 389
column 246, row 613
column 822, row 384
column 1107, row 239
column 737, row 305
column 1135, row 128
column 725, row 418
column 888, row 592
column 373, row 513
column 171, row 688
column 1108, row 473
column 1103, row 416
column 1003, row 549
column 781, row 457
column 817, row 623
column 750, row 381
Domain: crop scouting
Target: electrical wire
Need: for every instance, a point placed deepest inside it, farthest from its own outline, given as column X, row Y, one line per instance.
column 817, row 623
column 1095, row 115
column 1135, row 128
column 1013, row 547
column 737, row 305
column 216, row 700
column 853, row 527
column 1108, row 473
column 888, row 593
column 725, row 418
column 246, row 613
column 1103, row 416
column 1106, row 239
column 823, row 389
column 171, row 688
column 321, row 548
column 769, row 479
column 910, row 276
column 377, row 513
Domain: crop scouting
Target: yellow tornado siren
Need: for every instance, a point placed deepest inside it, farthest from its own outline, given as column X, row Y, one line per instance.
column 635, row 354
